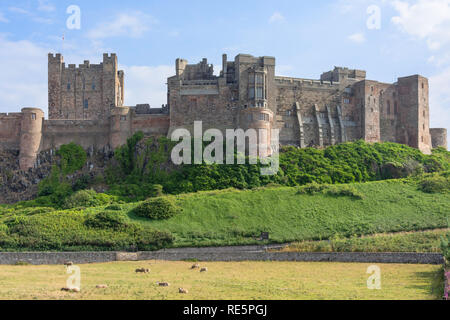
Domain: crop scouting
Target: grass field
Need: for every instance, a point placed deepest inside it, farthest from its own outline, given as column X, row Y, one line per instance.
column 244, row 280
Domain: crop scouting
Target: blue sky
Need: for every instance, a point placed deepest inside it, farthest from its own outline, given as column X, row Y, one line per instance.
column 306, row 37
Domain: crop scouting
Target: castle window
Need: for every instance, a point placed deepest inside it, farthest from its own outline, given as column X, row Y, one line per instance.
column 395, row 107
column 424, row 113
column 68, row 86
column 33, row 116
column 259, row 93
column 288, row 113
column 251, row 93
column 123, row 118
column 259, row 79
column 422, row 138
column 93, row 86
column 422, row 85
column 388, row 107
column 424, row 126
column 346, row 101
column 86, row 103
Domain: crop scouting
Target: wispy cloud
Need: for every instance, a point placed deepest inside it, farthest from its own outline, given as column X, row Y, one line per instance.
column 3, row 18
column 427, row 20
column 45, row 5
column 357, row 37
column 277, row 17
column 134, row 25
column 32, row 15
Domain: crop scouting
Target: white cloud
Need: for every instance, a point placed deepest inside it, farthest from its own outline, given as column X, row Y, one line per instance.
column 146, row 84
column 45, row 5
column 124, row 24
column 3, row 18
column 425, row 19
column 357, row 37
column 25, row 63
column 277, row 17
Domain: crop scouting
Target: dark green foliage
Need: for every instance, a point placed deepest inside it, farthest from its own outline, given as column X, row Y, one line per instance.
column 161, row 208
column 86, row 198
column 344, row 163
column 435, row 184
column 114, row 207
column 107, row 220
column 331, row 190
column 75, row 231
column 73, row 158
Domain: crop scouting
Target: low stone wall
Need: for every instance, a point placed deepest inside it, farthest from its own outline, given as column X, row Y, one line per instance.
column 48, row 258
column 248, row 253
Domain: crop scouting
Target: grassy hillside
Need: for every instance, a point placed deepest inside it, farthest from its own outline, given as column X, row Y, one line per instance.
column 230, row 217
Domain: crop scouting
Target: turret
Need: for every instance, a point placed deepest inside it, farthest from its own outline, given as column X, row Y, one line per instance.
column 30, row 136
column 120, row 126
column 439, row 137
column 55, row 69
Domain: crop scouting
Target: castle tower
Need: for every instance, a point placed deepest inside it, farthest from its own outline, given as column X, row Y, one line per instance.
column 30, row 137
column 55, row 69
column 120, row 126
column 439, row 137
column 414, row 112
column 86, row 92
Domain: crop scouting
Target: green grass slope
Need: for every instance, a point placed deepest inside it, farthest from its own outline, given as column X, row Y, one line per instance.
column 233, row 217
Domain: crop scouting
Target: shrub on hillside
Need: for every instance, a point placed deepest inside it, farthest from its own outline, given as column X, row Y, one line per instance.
column 107, row 220
column 86, row 198
column 157, row 209
column 114, row 207
column 435, row 184
column 312, row 188
column 344, row 191
column 68, row 231
column 73, row 157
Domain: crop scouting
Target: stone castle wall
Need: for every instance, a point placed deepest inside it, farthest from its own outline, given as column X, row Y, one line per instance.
column 86, row 106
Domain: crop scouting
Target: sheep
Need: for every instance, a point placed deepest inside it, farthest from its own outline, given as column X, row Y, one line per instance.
column 142, row 270
column 203, row 269
column 68, row 263
column 163, row 284
column 195, row 266
column 184, row 291
column 101, row 286
column 70, row 289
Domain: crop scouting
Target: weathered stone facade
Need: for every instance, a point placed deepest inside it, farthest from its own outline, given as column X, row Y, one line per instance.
column 86, row 106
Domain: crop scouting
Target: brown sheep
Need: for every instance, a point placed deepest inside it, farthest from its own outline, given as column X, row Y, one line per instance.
column 163, row 284
column 71, row 289
column 142, row 270
column 101, row 286
column 203, row 269
column 68, row 263
column 195, row 266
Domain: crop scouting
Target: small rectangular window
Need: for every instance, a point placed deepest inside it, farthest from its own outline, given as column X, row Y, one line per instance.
column 123, row 118
column 259, row 93
column 86, row 103
column 259, row 78
column 93, row 86
column 251, row 93
column 68, row 86
column 33, row 116
column 346, row 101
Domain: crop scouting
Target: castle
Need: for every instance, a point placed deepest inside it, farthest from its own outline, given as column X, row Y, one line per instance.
column 86, row 106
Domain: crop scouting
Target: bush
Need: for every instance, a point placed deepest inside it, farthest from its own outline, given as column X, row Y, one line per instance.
column 107, row 220
column 86, row 198
column 312, row 188
column 114, row 207
column 344, row 191
column 435, row 184
column 157, row 209
column 73, row 157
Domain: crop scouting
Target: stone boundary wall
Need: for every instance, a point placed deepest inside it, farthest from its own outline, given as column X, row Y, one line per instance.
column 250, row 253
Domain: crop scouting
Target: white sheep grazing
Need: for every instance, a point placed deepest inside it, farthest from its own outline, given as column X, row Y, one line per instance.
column 203, row 269
column 101, row 286
column 195, row 266
column 181, row 290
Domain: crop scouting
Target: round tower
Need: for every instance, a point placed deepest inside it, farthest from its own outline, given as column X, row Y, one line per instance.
column 438, row 137
column 120, row 126
column 30, row 136
column 260, row 120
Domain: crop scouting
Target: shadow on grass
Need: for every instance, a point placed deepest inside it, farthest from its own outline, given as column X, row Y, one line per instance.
column 433, row 283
